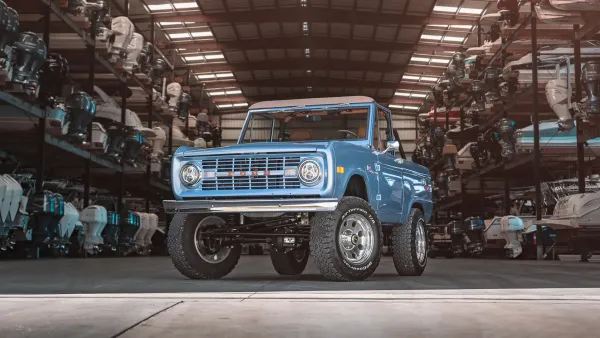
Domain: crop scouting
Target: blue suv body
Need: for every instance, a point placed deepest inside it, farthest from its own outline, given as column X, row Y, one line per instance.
column 297, row 172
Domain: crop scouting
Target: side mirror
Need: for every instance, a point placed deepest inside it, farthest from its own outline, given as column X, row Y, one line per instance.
column 392, row 145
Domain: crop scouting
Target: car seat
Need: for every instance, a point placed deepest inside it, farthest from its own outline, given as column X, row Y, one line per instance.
column 301, row 135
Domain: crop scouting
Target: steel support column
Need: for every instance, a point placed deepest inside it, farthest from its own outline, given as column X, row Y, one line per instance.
column 479, row 41
column 150, row 113
column 580, row 145
column 39, row 178
column 536, row 133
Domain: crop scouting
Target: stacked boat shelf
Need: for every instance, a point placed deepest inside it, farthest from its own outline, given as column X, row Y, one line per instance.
column 479, row 140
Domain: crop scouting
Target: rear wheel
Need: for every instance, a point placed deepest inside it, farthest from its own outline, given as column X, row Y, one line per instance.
column 290, row 263
column 194, row 254
column 410, row 245
column 346, row 243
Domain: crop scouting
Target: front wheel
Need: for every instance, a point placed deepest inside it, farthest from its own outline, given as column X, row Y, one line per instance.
column 346, row 243
column 410, row 245
column 196, row 255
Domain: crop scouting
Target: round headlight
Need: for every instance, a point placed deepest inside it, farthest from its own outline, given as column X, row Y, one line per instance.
column 310, row 172
column 190, row 174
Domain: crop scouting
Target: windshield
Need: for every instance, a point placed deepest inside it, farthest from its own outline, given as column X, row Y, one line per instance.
column 349, row 124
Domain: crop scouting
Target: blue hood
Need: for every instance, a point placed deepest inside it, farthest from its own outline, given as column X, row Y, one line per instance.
column 256, row 148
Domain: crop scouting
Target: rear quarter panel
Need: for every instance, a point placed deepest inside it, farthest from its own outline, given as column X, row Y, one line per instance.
column 417, row 189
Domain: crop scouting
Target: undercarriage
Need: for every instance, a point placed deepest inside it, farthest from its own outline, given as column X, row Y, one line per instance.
column 283, row 232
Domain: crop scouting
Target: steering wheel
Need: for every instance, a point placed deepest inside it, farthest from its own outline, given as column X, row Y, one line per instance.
column 348, row 132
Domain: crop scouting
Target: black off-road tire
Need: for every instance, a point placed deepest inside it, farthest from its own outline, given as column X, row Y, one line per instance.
column 324, row 241
column 185, row 257
column 405, row 257
column 287, row 264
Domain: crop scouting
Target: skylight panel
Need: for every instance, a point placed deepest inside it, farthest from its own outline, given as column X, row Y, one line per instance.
column 411, row 77
column 160, row 7
column 194, row 58
column 441, row 61
column 214, row 56
column 445, row 9
column 419, row 59
column 453, row 39
column 202, row 34
column 185, row 5
column 431, row 37
column 179, row 35
column 429, row 78
column 241, row 104
column 465, row 10
column 225, row 106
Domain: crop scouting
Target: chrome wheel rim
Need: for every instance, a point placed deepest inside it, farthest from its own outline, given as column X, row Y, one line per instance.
column 204, row 247
column 356, row 239
column 420, row 242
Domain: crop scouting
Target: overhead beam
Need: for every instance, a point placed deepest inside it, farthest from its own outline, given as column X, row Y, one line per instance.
column 306, row 14
column 300, row 82
column 284, row 96
column 295, row 42
column 316, row 64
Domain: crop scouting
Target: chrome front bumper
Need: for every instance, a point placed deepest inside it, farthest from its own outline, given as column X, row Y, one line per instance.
column 238, row 206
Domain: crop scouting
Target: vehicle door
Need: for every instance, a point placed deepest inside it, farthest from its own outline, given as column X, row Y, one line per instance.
column 390, row 169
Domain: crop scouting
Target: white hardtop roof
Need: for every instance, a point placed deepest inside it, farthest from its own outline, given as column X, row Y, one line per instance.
column 311, row 102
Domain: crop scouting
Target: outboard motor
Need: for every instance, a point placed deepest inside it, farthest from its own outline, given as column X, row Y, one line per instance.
column 98, row 12
column 157, row 74
column 473, row 66
column 81, row 109
column 158, row 143
column 183, row 108
column 492, row 80
column 506, row 131
column 216, row 132
column 133, row 144
column 475, row 153
column 557, row 93
column 9, row 32
column 174, row 93
column 94, row 219
column 53, row 76
column 438, row 94
column 46, row 231
column 474, row 236
column 509, row 12
column 458, row 60
column 130, row 224
column 30, row 54
column 441, row 182
column 457, row 232
column 110, row 234
column 590, row 80
column 134, row 49
column 478, row 94
column 117, row 133
column 122, row 34
column 145, row 59
column 511, row 228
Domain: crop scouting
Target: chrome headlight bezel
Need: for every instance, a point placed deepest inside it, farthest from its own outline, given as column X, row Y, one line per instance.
column 184, row 171
column 308, row 166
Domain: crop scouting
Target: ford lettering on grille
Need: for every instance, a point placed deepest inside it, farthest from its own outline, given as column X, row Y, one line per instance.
column 249, row 173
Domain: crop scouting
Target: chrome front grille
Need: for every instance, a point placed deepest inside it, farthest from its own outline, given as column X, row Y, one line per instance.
column 249, row 173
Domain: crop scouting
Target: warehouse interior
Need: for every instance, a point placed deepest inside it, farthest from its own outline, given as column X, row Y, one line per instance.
column 112, row 111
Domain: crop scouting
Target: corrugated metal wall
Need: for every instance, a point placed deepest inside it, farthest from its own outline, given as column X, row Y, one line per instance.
column 233, row 123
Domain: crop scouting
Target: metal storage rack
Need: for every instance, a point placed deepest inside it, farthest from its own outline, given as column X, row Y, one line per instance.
column 94, row 165
column 512, row 165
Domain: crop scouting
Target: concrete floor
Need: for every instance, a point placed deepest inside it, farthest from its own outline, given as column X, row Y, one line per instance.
column 147, row 297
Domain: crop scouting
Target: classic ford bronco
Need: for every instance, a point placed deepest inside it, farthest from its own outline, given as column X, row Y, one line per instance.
column 307, row 175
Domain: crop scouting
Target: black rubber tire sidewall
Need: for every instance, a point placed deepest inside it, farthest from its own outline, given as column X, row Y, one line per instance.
column 325, row 247
column 183, row 252
column 286, row 264
column 405, row 257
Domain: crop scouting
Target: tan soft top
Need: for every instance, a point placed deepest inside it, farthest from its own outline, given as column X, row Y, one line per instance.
column 311, row 102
